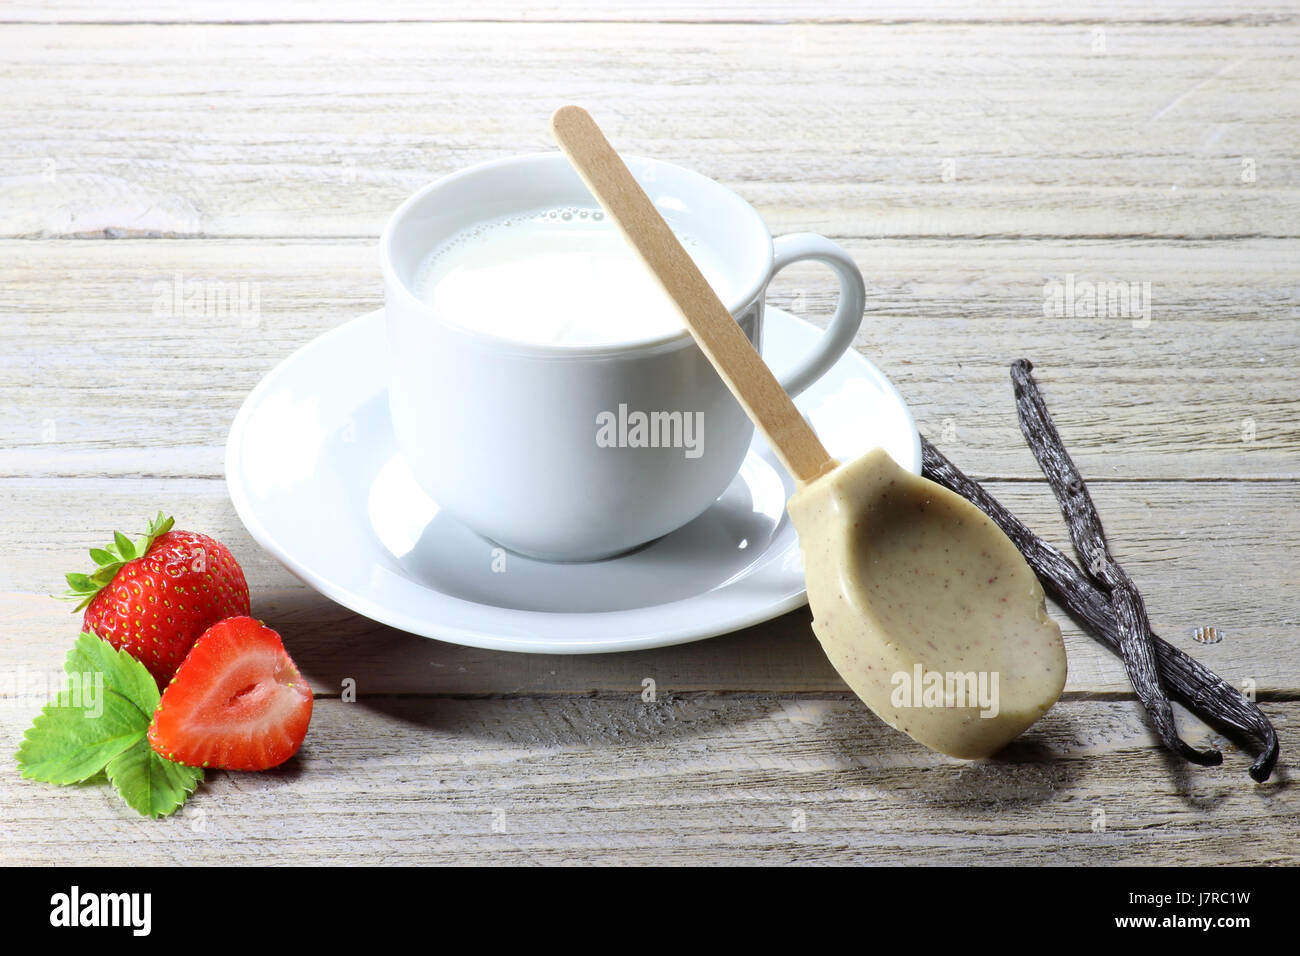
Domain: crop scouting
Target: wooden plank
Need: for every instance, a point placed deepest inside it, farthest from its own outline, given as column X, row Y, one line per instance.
column 679, row 780
column 1195, row 549
column 93, row 383
column 876, row 130
column 677, row 11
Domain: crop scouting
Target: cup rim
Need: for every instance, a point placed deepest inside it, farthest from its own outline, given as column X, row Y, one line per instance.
column 751, row 291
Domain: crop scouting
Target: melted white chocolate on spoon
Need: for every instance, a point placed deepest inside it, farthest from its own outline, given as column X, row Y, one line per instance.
column 901, row 573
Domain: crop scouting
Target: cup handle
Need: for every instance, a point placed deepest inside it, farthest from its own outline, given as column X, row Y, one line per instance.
column 847, row 320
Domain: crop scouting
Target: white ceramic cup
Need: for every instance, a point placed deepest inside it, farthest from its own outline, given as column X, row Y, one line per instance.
column 503, row 435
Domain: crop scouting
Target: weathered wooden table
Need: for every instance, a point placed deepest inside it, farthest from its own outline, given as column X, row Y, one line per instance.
column 968, row 154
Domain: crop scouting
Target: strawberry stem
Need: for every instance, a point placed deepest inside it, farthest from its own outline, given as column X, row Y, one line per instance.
column 82, row 588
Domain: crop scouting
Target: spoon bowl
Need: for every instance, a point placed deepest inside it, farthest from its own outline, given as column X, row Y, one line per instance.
column 925, row 608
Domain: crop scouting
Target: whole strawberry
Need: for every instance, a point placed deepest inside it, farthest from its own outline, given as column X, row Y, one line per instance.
column 154, row 597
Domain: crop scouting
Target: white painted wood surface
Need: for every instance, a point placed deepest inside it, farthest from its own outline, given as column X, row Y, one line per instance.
column 966, row 154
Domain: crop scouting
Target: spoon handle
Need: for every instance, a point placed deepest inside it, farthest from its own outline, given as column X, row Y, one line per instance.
column 718, row 335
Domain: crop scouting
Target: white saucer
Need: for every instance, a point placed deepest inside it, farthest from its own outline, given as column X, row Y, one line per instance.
column 315, row 477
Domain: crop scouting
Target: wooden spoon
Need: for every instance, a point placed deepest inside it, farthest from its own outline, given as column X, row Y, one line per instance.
column 922, row 603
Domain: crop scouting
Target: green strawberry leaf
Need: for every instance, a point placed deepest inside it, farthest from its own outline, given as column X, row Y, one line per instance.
column 103, row 577
column 158, row 527
column 77, row 582
column 125, row 549
column 123, row 674
column 68, row 744
column 152, row 785
column 105, row 707
column 98, row 726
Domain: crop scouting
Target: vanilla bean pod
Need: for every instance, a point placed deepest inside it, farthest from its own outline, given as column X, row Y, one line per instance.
column 1089, row 538
column 1191, row 683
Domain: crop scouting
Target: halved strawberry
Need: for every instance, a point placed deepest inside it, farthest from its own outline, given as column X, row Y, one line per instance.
column 237, row 701
column 152, row 598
